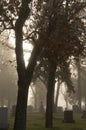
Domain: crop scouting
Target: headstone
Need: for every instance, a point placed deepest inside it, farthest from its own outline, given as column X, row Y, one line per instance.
column 29, row 108
column 68, row 116
column 3, row 118
column 59, row 109
column 84, row 114
column 41, row 109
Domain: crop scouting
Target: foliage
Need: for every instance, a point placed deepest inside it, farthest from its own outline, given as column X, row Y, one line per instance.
column 63, row 24
column 9, row 13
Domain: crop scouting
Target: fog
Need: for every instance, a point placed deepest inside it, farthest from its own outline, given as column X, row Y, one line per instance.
column 8, row 76
column 37, row 92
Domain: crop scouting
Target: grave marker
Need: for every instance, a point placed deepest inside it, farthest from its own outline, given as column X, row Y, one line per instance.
column 3, row 118
column 68, row 116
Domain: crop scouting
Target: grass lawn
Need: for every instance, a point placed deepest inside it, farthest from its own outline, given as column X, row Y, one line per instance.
column 36, row 121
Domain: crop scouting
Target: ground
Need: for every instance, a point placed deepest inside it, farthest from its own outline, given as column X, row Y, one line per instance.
column 36, row 121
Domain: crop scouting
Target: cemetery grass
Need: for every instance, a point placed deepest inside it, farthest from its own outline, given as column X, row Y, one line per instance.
column 36, row 121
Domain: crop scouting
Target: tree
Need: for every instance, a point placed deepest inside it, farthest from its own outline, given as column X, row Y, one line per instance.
column 57, row 94
column 17, row 12
column 50, row 95
column 67, row 29
column 80, row 90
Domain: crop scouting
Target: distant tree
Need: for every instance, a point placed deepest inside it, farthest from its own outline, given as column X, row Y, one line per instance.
column 79, row 84
column 78, row 72
column 83, row 88
column 57, row 94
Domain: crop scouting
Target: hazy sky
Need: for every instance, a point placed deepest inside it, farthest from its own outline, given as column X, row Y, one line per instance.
column 8, row 74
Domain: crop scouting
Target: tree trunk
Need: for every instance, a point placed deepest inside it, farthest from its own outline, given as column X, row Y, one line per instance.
column 20, row 115
column 79, row 86
column 24, row 74
column 50, row 97
column 85, row 103
column 24, row 78
column 24, row 82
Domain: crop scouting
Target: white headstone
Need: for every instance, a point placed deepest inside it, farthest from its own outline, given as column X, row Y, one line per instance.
column 3, row 118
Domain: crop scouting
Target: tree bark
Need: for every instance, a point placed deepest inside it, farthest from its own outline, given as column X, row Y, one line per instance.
column 24, row 82
column 20, row 115
column 50, row 97
column 79, row 85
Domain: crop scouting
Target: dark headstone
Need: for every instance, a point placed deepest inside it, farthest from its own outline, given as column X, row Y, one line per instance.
column 59, row 109
column 84, row 114
column 3, row 118
column 29, row 108
column 41, row 109
column 68, row 116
